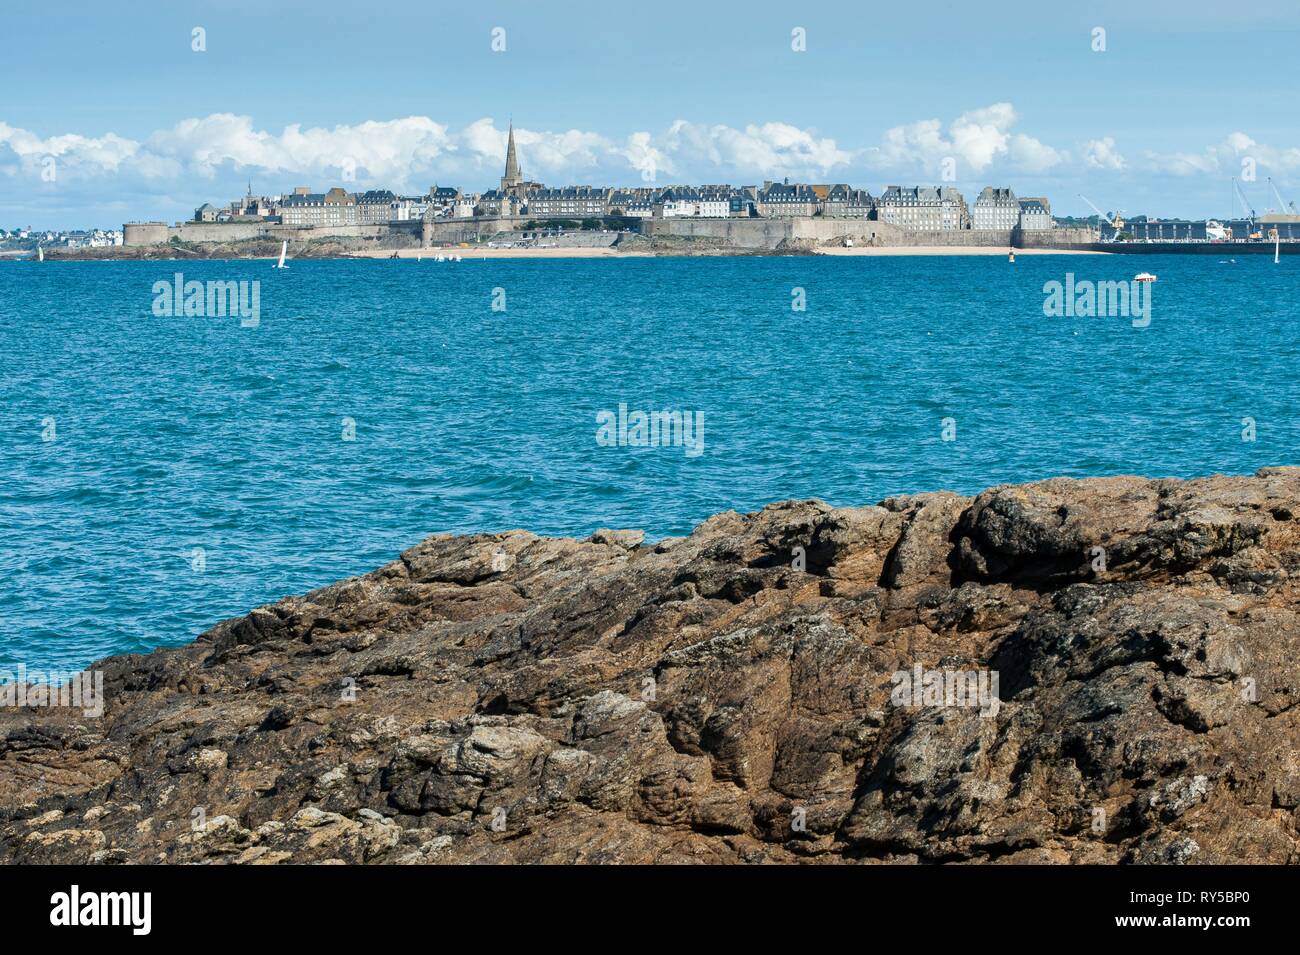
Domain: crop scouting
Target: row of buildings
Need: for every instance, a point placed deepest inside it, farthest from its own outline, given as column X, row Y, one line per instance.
column 68, row 238
column 910, row 207
column 915, row 207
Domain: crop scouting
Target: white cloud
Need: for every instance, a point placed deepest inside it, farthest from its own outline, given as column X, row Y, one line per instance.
column 407, row 153
column 977, row 140
column 1226, row 158
column 108, row 153
column 646, row 158
column 1031, row 155
column 1102, row 154
column 772, row 150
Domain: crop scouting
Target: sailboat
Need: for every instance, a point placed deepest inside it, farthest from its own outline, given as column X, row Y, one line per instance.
column 284, row 247
column 1277, row 245
column 40, row 254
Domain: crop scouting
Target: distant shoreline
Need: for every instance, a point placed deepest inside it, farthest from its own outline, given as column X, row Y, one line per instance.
column 613, row 253
column 164, row 254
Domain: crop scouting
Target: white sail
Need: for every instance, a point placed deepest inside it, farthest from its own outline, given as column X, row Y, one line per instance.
column 40, row 254
column 284, row 247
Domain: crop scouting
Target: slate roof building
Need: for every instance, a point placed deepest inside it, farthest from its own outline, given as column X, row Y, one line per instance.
column 784, row 199
column 332, row 208
column 995, row 208
column 1036, row 214
column 923, row 207
column 843, row 201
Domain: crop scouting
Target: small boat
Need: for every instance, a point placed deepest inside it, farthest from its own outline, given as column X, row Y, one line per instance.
column 1144, row 277
column 284, row 247
column 1011, row 256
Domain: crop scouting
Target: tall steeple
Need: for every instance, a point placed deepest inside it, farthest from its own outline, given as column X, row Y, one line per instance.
column 512, row 178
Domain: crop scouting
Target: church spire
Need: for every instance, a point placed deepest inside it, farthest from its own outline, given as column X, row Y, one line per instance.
column 512, row 177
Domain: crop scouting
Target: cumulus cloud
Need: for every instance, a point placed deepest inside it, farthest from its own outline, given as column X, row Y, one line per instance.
column 404, row 153
column 1227, row 158
column 976, row 140
column 772, row 150
column 1102, row 154
column 107, row 153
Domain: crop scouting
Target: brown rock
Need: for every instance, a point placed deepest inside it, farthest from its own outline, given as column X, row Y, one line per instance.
column 745, row 694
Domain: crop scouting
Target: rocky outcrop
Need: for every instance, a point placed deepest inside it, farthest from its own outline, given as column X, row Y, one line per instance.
column 743, row 694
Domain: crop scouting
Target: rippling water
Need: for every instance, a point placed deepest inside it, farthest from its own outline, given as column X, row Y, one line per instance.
column 178, row 435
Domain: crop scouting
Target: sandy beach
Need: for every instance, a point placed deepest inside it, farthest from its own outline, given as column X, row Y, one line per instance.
column 486, row 253
column 949, row 250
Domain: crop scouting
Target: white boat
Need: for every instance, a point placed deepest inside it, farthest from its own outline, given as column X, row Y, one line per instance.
column 284, row 247
column 1144, row 277
column 1217, row 231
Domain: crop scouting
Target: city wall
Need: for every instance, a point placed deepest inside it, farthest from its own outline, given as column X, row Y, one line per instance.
column 749, row 233
column 773, row 233
column 812, row 231
column 439, row 231
column 159, row 233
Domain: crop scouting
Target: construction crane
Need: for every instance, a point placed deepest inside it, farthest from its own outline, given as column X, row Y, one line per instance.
column 1116, row 223
column 1251, row 231
column 1282, row 205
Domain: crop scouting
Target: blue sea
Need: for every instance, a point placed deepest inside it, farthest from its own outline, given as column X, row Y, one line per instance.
column 159, row 473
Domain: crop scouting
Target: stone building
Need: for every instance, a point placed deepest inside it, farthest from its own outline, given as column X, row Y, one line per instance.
column 714, row 201
column 1036, row 214
column 634, row 203
column 333, row 208
column 781, row 199
column 843, row 201
column 995, row 208
column 375, row 207
column 923, row 207
column 499, row 202
column 571, row 202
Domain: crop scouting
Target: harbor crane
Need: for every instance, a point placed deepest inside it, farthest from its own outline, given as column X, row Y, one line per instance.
column 1116, row 223
column 1246, row 207
column 1282, row 205
column 1245, row 203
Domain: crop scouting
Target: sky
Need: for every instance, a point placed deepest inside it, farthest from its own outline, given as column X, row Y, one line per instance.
column 123, row 112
